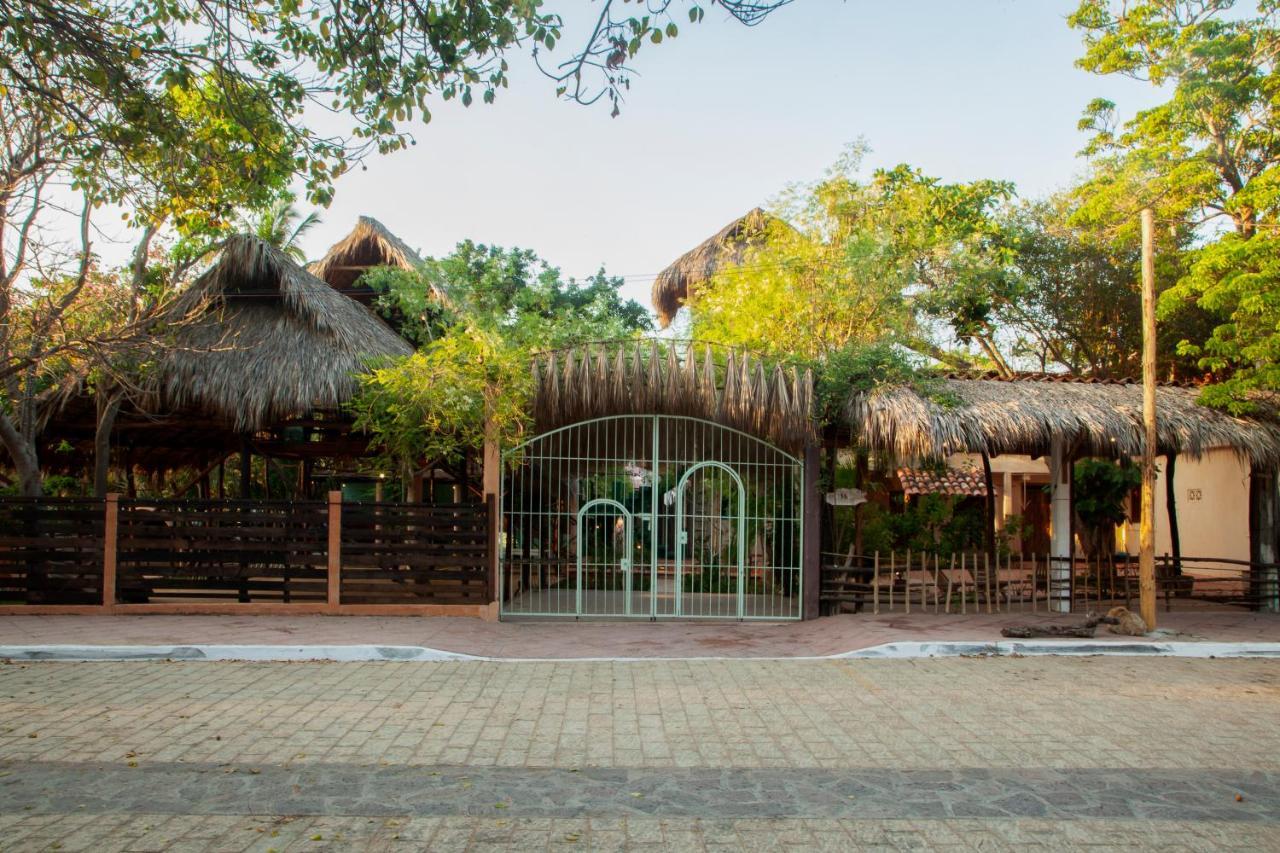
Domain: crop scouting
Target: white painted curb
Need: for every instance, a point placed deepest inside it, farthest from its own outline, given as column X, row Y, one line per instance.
column 195, row 651
column 886, row 651
column 1136, row 647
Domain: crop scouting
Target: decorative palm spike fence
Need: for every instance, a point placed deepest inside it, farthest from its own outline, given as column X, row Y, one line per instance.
column 924, row 582
column 296, row 556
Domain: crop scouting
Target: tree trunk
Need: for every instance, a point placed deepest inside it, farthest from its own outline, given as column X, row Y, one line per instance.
column 108, row 409
column 26, row 459
column 1171, row 509
column 989, row 535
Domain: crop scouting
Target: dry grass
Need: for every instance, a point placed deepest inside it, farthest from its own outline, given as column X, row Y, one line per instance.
column 717, row 384
column 273, row 341
column 728, row 246
column 1021, row 416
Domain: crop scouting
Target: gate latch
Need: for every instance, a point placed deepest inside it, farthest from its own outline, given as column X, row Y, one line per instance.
column 625, row 565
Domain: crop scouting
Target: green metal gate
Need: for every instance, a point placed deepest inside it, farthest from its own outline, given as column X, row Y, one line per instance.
column 652, row 517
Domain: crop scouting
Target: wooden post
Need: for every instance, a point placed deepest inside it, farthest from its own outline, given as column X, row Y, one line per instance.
column 335, row 549
column 875, row 586
column 907, row 594
column 1147, row 528
column 811, row 548
column 110, row 548
column 947, row 607
column 1058, row 568
column 1264, row 537
column 491, row 480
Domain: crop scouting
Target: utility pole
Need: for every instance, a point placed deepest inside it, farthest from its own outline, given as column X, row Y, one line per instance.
column 1147, row 528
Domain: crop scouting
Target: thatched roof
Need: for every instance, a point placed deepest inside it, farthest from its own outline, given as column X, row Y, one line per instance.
column 726, row 247
column 271, row 341
column 1022, row 415
column 368, row 245
column 717, row 384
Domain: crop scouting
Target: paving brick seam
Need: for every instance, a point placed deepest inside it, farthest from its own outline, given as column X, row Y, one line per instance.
column 884, row 794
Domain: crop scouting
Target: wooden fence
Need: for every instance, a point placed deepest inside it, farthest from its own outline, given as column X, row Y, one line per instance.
column 906, row 582
column 182, row 556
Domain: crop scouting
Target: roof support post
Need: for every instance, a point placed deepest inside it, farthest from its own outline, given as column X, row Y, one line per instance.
column 1060, row 527
column 492, row 483
column 811, row 547
column 1264, row 536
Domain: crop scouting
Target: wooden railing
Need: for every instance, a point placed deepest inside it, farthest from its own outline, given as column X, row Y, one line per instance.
column 287, row 556
column 905, row 582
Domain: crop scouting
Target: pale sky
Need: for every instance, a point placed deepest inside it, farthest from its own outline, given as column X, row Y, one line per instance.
column 724, row 117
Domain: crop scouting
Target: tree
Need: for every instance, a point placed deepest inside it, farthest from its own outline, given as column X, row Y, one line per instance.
column 102, row 70
column 183, row 112
column 863, row 261
column 282, row 225
column 471, row 371
column 1205, row 158
column 1071, row 298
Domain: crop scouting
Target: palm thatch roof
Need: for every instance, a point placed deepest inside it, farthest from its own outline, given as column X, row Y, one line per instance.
column 370, row 244
column 269, row 341
column 726, row 247
column 718, row 384
column 1022, row 415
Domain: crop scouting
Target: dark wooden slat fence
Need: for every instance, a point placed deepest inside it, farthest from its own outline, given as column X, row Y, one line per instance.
column 296, row 556
column 415, row 554
column 221, row 550
column 51, row 550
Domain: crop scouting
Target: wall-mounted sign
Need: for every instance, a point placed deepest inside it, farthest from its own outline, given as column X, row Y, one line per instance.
column 846, row 497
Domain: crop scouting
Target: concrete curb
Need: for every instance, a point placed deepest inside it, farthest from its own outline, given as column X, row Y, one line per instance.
column 885, row 651
column 195, row 652
column 1028, row 648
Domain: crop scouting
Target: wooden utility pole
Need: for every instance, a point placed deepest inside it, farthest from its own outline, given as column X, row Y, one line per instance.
column 1147, row 528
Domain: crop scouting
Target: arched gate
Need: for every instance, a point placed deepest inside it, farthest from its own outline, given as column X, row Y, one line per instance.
column 651, row 516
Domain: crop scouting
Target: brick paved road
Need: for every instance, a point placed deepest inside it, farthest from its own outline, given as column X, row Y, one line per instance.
column 959, row 753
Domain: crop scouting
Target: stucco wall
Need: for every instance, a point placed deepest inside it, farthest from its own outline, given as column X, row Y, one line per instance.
column 1212, row 495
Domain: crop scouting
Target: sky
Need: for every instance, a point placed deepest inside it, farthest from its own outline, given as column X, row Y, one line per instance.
column 722, row 118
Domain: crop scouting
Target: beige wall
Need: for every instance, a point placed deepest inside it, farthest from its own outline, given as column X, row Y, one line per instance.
column 1212, row 523
column 1216, row 524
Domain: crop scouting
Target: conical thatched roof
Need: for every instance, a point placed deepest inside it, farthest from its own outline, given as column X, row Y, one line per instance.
column 728, row 246
column 271, row 341
column 1023, row 414
column 718, row 384
column 368, row 245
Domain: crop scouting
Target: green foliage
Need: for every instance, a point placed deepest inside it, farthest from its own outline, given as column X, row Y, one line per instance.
column 474, row 353
column 857, row 368
column 408, row 301
column 1208, row 154
column 941, row 524
column 105, row 74
column 1100, row 492
column 866, row 261
column 467, row 386
column 530, row 301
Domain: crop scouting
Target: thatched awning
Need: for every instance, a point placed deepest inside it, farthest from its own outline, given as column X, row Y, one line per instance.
column 370, row 244
column 271, row 341
column 717, row 384
column 726, row 247
column 1023, row 415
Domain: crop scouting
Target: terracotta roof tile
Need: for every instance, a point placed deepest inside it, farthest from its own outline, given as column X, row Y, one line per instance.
column 949, row 482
